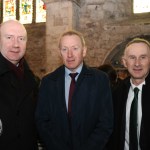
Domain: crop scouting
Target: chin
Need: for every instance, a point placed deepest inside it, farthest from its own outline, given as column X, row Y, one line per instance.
column 138, row 77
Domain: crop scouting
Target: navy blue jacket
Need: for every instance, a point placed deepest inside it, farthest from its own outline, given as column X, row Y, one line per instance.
column 92, row 114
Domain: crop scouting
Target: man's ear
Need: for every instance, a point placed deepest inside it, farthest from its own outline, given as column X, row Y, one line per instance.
column 124, row 62
column 84, row 51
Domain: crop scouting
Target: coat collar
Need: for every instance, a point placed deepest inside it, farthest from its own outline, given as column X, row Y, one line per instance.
column 3, row 65
column 59, row 73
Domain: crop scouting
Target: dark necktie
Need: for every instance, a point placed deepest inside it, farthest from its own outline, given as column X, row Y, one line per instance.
column 72, row 87
column 133, row 144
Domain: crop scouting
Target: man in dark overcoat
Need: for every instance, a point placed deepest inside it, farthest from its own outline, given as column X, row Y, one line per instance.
column 18, row 90
column 85, row 124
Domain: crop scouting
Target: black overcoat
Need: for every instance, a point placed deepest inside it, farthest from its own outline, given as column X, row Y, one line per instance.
column 120, row 98
column 17, row 106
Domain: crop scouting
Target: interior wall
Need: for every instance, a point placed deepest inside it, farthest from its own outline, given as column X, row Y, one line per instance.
column 36, row 52
column 105, row 24
column 115, row 56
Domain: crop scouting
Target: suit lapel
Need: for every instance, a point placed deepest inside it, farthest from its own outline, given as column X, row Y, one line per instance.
column 61, row 92
column 78, row 103
column 60, row 86
column 123, row 111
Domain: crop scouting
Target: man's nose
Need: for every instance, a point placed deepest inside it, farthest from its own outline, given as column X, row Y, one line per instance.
column 69, row 52
column 137, row 61
column 15, row 42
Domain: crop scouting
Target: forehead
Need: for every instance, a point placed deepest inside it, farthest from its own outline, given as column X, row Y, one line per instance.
column 70, row 39
column 13, row 28
column 137, row 49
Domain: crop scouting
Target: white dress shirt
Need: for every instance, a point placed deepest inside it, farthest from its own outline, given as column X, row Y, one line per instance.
column 128, row 106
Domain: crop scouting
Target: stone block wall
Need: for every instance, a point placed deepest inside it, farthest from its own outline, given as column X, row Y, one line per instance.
column 36, row 52
column 104, row 23
column 108, row 23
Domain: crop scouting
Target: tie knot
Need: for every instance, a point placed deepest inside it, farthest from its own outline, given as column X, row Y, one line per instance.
column 136, row 90
column 73, row 75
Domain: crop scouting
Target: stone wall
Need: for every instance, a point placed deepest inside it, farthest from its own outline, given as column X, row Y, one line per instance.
column 36, row 52
column 106, row 24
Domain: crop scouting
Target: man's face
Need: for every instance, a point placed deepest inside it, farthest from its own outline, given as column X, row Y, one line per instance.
column 13, row 38
column 137, row 61
column 72, row 51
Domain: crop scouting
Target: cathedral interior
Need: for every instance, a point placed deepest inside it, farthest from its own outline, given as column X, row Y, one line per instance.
column 107, row 26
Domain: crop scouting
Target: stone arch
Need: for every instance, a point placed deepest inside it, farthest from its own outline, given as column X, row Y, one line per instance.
column 114, row 57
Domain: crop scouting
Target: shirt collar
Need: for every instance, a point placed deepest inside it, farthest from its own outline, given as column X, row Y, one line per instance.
column 78, row 70
column 139, row 86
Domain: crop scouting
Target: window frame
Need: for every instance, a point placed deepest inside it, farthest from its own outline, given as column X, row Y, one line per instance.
column 17, row 12
column 139, row 15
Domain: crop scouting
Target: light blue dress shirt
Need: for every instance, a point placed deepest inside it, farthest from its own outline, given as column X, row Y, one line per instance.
column 68, row 81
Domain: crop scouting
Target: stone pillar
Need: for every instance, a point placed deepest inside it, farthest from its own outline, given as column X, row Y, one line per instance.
column 62, row 15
